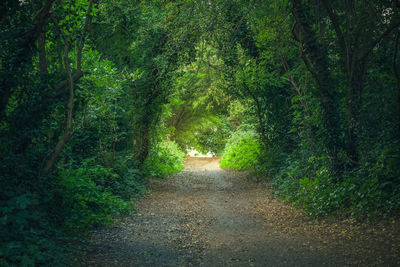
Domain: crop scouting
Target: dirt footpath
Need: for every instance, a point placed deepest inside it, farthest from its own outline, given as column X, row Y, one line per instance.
column 205, row 216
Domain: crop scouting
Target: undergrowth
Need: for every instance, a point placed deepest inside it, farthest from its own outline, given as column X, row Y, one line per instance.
column 39, row 225
column 241, row 152
column 370, row 191
column 164, row 158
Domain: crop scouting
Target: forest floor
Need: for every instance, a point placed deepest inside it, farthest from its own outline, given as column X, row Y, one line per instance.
column 205, row 216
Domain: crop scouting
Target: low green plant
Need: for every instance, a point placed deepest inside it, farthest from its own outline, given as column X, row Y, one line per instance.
column 164, row 158
column 86, row 198
column 242, row 151
column 26, row 237
column 360, row 193
column 132, row 183
column 131, row 180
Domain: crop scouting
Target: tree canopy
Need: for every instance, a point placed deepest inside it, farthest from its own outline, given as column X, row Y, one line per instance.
column 97, row 95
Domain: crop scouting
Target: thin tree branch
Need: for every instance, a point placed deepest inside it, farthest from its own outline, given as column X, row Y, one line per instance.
column 295, row 86
column 368, row 50
column 395, row 52
column 332, row 16
column 26, row 43
column 397, row 74
column 70, row 78
column 38, row 21
column 75, row 77
column 82, row 43
column 42, row 53
column 70, row 106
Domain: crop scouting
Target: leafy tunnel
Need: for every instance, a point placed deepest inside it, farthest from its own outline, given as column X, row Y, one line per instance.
column 98, row 95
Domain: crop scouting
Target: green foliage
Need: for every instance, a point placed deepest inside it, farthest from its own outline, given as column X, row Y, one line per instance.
column 242, row 151
column 86, row 196
column 198, row 113
column 164, row 158
column 131, row 180
column 27, row 239
column 211, row 135
column 358, row 196
column 270, row 161
column 361, row 193
column 325, row 132
column 41, row 212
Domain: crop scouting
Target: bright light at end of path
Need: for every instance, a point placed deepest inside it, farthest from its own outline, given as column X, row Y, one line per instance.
column 195, row 153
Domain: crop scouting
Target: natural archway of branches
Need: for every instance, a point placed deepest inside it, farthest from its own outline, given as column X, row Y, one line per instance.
column 97, row 96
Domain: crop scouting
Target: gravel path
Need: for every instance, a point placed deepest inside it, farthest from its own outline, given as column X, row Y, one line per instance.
column 205, row 216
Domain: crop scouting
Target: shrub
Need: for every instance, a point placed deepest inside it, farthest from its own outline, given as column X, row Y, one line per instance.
column 241, row 152
column 131, row 184
column 164, row 158
column 26, row 238
column 131, row 181
column 360, row 193
column 86, row 199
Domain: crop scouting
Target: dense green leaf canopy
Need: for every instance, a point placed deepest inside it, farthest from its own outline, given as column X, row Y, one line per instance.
column 96, row 96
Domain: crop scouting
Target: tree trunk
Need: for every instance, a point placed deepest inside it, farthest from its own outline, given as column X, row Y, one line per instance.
column 315, row 54
column 143, row 143
column 397, row 76
column 25, row 44
column 354, row 105
column 70, row 108
column 70, row 81
column 42, row 53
